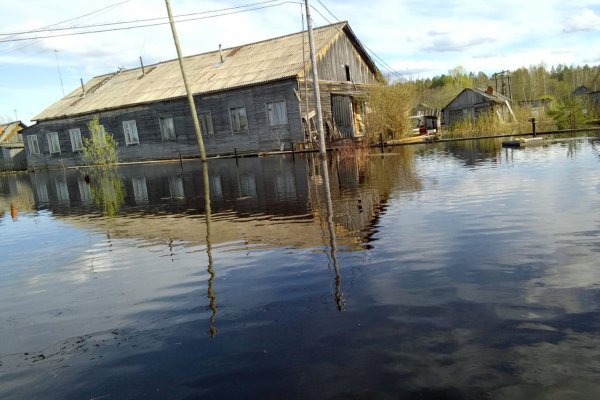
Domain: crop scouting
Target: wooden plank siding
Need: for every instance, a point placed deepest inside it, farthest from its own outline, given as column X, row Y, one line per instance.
column 259, row 136
column 342, row 53
column 273, row 73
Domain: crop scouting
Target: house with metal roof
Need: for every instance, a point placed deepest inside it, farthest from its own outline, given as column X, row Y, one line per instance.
column 472, row 102
column 250, row 99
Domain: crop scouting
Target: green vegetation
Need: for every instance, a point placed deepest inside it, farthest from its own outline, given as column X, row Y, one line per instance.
column 107, row 189
column 390, row 106
column 100, row 149
column 536, row 82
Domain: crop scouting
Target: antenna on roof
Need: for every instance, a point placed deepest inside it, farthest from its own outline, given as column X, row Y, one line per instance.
column 220, row 53
column 82, row 87
column 142, row 63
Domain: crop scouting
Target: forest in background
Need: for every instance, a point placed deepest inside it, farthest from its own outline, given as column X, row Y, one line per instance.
column 535, row 82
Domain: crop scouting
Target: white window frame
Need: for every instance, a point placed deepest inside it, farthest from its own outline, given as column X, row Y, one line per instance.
column 34, row 145
column 53, row 142
column 235, row 119
column 168, row 135
column 100, row 135
column 206, row 123
column 130, row 132
column 76, row 140
column 273, row 117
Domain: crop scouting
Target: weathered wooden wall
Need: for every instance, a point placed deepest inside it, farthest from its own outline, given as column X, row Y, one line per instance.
column 12, row 159
column 340, row 54
column 259, row 137
column 468, row 104
column 328, row 89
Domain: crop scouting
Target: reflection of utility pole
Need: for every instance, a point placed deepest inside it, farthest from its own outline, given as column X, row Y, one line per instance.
column 59, row 74
column 323, row 156
column 210, row 269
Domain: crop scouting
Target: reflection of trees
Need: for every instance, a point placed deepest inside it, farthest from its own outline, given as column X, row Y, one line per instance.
column 107, row 189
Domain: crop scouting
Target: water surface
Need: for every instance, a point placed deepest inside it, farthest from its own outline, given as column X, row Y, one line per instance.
column 456, row 271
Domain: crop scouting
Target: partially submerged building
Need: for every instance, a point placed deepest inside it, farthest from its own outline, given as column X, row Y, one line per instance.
column 12, row 156
column 251, row 98
column 471, row 103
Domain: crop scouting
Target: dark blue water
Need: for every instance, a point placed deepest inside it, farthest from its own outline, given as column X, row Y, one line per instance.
column 456, row 271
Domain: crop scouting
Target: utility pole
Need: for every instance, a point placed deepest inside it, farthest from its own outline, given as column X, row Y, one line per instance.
column 187, row 88
column 315, row 77
column 16, row 118
column 309, row 137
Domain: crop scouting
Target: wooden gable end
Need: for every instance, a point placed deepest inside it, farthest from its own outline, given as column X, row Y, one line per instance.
column 342, row 61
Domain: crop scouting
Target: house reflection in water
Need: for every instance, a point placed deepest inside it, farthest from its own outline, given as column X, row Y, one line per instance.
column 254, row 200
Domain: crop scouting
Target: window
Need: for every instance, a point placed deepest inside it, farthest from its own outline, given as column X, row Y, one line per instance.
column 176, row 187
column 34, row 146
column 206, row 123
column 62, row 191
column 85, row 192
column 167, row 128
column 130, row 131
column 99, row 136
column 277, row 113
column 53, row 143
column 76, row 142
column 347, row 67
column 140, row 190
column 239, row 121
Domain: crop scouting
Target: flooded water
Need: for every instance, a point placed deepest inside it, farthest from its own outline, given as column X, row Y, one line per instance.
column 455, row 271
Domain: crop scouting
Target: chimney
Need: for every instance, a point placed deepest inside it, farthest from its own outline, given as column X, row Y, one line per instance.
column 490, row 91
column 220, row 53
column 82, row 87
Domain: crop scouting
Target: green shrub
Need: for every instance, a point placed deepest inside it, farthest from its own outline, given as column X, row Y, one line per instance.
column 100, row 149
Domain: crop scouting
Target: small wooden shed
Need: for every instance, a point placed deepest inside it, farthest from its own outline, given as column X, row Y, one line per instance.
column 471, row 102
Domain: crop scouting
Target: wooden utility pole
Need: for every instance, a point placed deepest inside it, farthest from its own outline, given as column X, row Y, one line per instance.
column 187, row 88
column 315, row 78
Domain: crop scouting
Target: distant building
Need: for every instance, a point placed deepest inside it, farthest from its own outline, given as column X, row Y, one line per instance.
column 250, row 98
column 537, row 106
column 471, row 102
column 12, row 156
column 581, row 91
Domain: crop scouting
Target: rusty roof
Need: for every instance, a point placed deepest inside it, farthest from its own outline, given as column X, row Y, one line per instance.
column 245, row 65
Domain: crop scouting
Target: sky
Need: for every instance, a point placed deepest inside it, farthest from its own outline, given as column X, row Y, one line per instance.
column 413, row 38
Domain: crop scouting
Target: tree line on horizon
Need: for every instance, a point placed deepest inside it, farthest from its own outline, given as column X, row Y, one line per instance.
column 526, row 83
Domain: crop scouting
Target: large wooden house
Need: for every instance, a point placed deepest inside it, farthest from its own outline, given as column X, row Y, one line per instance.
column 251, row 98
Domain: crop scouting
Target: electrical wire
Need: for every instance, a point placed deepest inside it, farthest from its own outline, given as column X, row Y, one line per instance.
column 149, row 25
column 383, row 63
column 132, row 21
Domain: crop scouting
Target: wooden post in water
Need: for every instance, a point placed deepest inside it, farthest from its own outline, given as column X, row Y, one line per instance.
column 532, row 126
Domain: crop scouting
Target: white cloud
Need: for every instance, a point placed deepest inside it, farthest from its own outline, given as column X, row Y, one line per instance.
column 586, row 20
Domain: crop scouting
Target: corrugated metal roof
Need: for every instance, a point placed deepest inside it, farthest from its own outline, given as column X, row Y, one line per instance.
column 245, row 65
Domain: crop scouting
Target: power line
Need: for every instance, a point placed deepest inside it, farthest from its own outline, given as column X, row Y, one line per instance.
column 40, row 30
column 151, row 24
column 383, row 63
column 67, row 20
